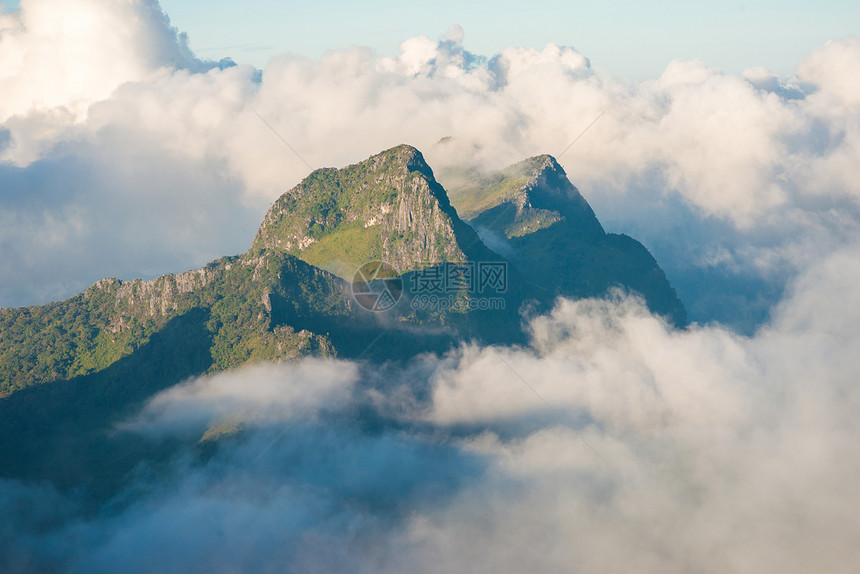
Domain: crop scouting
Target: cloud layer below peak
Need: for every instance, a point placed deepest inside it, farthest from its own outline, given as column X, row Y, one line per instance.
column 609, row 441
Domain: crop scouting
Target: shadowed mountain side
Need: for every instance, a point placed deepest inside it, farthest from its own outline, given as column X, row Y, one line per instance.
column 560, row 264
column 63, row 431
column 369, row 335
column 532, row 214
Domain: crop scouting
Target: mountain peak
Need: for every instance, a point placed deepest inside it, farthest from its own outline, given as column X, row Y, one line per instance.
column 403, row 153
column 533, row 214
column 388, row 207
column 540, row 163
column 530, row 195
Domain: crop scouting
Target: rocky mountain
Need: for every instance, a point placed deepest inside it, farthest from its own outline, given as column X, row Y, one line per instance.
column 71, row 370
column 388, row 208
column 532, row 214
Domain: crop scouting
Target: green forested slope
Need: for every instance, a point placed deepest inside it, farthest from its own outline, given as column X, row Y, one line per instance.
column 113, row 319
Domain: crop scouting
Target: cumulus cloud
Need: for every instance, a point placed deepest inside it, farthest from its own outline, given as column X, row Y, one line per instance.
column 610, row 442
column 85, row 197
column 831, row 69
column 721, row 452
column 59, row 58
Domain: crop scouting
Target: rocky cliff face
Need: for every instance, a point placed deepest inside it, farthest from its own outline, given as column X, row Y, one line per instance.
column 155, row 299
column 388, row 207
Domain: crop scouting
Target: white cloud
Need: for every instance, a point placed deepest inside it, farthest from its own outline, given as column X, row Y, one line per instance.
column 261, row 394
column 832, row 70
column 715, row 452
column 664, row 451
column 609, row 359
column 57, row 58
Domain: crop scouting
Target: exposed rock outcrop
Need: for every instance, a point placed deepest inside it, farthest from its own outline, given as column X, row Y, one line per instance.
column 388, row 207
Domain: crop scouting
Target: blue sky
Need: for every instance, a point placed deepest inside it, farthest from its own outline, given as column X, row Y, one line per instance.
column 630, row 39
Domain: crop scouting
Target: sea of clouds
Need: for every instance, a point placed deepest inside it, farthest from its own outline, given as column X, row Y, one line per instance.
column 610, row 443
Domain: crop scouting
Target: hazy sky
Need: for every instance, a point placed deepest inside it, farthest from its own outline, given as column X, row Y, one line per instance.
column 632, row 39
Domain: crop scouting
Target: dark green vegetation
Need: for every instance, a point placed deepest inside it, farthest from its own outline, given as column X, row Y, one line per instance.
column 71, row 371
column 62, row 431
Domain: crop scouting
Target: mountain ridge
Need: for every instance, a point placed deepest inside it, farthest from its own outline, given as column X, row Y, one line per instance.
column 532, row 214
column 388, row 207
column 71, row 370
column 277, row 301
column 536, row 187
column 112, row 318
